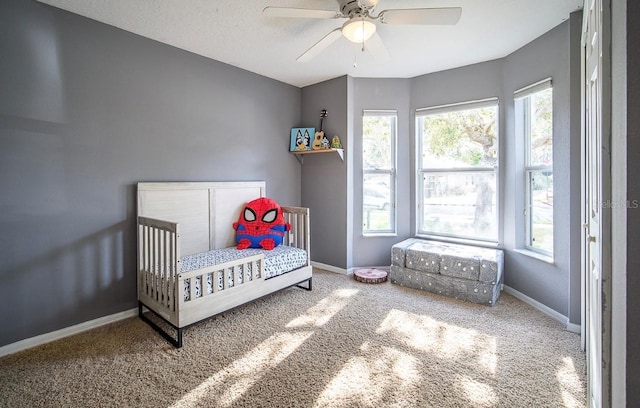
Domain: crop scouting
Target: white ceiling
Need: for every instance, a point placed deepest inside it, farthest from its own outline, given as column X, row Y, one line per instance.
column 236, row 32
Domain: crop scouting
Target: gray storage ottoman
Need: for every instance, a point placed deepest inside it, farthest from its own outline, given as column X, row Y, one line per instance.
column 460, row 271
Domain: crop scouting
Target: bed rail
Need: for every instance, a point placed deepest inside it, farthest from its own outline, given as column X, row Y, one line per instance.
column 233, row 274
column 299, row 235
column 158, row 262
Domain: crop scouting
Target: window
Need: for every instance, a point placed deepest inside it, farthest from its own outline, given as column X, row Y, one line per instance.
column 457, row 170
column 379, row 178
column 534, row 105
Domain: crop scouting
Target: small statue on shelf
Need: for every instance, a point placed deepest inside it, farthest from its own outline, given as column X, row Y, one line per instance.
column 325, row 142
column 335, row 143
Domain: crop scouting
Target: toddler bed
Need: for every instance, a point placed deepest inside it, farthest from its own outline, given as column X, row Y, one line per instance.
column 188, row 266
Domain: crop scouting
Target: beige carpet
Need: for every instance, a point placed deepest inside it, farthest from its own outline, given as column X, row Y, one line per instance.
column 345, row 344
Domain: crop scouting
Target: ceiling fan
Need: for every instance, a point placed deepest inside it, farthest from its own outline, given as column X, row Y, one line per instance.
column 360, row 25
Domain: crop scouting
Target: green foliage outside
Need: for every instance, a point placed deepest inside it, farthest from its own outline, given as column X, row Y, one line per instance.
column 460, row 202
column 541, row 155
column 377, row 154
column 376, row 220
column 460, row 138
column 376, row 131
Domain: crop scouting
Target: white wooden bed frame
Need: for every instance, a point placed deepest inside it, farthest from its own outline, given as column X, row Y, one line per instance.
column 176, row 219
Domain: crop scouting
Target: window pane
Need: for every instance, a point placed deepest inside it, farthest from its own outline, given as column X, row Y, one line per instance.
column 378, row 163
column 377, row 205
column 461, row 138
column 460, row 203
column 378, row 133
column 541, row 210
column 541, row 149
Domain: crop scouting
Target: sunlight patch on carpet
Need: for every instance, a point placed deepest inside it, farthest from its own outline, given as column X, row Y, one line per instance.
column 324, row 310
column 477, row 393
column 230, row 383
column 570, row 384
column 487, row 355
column 391, row 370
column 234, row 380
column 443, row 340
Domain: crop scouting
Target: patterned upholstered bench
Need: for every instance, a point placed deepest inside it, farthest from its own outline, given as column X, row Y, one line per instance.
column 460, row 271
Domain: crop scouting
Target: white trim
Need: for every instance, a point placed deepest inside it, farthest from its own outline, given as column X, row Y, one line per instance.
column 66, row 332
column 574, row 328
column 452, row 107
column 619, row 177
column 391, row 172
column 379, row 112
column 540, row 256
column 331, row 268
column 533, row 88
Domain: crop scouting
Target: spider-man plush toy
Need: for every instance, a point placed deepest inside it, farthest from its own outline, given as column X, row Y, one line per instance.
column 261, row 225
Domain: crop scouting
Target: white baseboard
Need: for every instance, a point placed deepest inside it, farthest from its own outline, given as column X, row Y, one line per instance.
column 66, row 332
column 331, row 268
column 343, row 271
column 92, row 324
column 574, row 328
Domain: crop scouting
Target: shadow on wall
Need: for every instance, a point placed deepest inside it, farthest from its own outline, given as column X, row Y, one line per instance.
column 83, row 280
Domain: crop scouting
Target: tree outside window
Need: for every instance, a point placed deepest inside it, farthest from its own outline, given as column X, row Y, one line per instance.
column 535, row 105
column 378, row 184
column 458, row 159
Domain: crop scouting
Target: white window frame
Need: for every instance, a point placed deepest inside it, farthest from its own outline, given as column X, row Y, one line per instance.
column 421, row 170
column 384, row 171
column 523, row 97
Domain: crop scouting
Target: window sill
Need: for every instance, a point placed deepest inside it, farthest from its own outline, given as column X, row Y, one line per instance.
column 536, row 255
column 381, row 234
column 463, row 241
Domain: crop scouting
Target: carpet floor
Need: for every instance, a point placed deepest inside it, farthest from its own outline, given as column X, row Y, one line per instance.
column 344, row 344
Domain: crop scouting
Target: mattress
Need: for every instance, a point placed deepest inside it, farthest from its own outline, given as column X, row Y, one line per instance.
column 278, row 261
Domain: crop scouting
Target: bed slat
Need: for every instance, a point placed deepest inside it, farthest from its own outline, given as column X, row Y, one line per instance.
column 158, row 261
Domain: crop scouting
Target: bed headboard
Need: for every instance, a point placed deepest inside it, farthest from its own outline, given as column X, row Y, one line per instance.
column 205, row 210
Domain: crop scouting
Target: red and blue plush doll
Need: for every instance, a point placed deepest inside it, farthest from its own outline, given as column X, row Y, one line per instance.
column 261, row 225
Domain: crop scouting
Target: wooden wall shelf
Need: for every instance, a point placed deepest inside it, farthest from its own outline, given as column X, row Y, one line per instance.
column 300, row 154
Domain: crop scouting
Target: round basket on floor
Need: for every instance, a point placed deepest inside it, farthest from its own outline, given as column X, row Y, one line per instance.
column 370, row 275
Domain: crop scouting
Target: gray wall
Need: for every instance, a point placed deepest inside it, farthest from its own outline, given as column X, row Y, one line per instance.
column 381, row 94
column 550, row 284
column 330, row 187
column 630, row 66
column 87, row 111
column 575, row 166
column 324, row 176
column 556, row 54
column 555, row 285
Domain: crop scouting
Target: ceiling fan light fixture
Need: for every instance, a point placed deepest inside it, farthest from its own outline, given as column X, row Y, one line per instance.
column 358, row 30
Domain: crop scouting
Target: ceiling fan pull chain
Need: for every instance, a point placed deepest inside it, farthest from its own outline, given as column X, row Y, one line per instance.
column 355, row 58
column 363, row 34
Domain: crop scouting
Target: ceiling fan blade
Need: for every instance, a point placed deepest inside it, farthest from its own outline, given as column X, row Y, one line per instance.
column 318, row 47
column 426, row 16
column 299, row 12
column 375, row 45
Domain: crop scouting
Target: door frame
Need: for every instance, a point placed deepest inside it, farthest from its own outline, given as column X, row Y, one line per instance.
column 615, row 21
column 606, row 204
